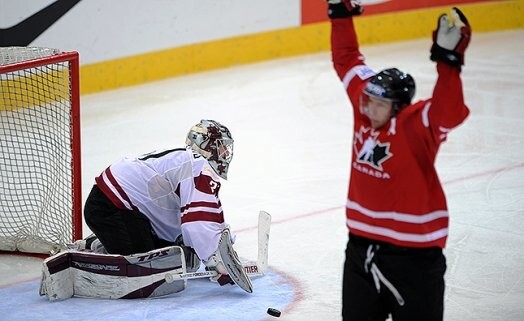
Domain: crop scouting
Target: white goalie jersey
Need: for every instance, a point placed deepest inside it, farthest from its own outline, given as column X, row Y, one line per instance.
column 178, row 192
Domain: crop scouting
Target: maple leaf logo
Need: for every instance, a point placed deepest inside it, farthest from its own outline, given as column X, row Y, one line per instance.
column 369, row 149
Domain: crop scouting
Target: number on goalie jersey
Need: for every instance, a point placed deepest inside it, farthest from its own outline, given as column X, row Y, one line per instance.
column 144, row 203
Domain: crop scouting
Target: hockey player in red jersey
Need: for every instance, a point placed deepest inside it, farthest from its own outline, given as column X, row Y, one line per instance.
column 396, row 208
column 166, row 198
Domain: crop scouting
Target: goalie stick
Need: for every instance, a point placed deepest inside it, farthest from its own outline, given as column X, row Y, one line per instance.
column 252, row 270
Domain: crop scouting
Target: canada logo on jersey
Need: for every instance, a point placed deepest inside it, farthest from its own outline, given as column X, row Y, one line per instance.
column 369, row 149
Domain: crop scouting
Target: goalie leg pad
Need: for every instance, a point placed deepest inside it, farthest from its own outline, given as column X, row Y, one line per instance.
column 87, row 274
column 232, row 263
column 57, row 279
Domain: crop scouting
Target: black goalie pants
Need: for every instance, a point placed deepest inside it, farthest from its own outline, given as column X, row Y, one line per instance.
column 120, row 231
column 410, row 282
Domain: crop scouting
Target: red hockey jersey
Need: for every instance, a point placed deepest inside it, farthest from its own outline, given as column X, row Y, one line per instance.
column 394, row 193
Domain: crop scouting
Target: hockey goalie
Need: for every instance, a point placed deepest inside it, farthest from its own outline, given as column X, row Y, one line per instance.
column 155, row 219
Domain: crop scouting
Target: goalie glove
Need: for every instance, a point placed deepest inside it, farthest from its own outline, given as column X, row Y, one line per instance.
column 343, row 8
column 451, row 38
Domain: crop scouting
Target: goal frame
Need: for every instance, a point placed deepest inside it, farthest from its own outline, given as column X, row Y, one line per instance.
column 72, row 58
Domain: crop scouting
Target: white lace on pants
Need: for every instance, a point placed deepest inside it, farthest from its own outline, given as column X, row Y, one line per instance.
column 378, row 277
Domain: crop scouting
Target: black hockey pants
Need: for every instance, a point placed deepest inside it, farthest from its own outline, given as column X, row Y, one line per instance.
column 382, row 279
column 120, row 231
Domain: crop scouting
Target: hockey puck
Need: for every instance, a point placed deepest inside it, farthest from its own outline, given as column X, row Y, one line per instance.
column 274, row 312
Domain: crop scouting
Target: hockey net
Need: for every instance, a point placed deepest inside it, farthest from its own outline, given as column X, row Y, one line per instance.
column 40, row 177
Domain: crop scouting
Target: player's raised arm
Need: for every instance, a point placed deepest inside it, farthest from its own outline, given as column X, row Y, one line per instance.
column 344, row 41
column 450, row 40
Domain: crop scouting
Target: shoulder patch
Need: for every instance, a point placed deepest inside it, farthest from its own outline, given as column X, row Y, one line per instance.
column 364, row 72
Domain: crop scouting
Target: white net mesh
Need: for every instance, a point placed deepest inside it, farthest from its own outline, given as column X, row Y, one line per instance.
column 10, row 55
column 35, row 153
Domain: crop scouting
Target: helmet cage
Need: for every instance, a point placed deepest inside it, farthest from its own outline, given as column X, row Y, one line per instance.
column 213, row 141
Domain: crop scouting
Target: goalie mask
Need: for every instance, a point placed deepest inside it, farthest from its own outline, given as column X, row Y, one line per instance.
column 213, row 141
column 393, row 85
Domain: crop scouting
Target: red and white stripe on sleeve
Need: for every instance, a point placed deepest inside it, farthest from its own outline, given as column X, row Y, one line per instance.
column 110, row 187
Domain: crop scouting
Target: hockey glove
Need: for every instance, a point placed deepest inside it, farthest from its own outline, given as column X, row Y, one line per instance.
column 215, row 264
column 451, row 38
column 343, row 8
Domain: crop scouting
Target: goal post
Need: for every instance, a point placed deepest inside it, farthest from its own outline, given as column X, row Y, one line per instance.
column 40, row 160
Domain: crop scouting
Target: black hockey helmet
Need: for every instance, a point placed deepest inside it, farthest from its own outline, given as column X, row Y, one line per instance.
column 394, row 85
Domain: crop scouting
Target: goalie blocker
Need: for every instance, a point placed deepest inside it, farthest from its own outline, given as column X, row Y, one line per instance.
column 225, row 260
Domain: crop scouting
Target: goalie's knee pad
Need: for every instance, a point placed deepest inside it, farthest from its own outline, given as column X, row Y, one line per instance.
column 192, row 260
column 87, row 274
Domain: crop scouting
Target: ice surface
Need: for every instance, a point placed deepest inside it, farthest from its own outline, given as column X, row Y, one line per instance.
column 292, row 128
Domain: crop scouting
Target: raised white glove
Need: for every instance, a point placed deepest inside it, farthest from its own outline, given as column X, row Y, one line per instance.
column 451, row 38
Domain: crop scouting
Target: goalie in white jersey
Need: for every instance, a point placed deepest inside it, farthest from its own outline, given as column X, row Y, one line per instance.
column 165, row 198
